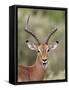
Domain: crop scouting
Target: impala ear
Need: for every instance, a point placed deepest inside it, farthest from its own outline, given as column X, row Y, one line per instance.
column 32, row 46
column 55, row 45
column 52, row 47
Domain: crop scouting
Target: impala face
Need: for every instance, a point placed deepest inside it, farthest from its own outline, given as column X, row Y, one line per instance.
column 42, row 50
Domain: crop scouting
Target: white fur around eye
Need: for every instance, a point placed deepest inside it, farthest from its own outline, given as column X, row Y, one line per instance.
column 38, row 50
column 47, row 49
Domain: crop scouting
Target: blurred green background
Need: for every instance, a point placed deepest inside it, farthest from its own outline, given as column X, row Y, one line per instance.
column 42, row 22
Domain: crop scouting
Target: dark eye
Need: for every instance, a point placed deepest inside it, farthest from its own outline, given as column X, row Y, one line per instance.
column 48, row 50
column 38, row 51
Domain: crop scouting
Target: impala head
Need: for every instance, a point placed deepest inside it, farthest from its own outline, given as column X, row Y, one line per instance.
column 41, row 48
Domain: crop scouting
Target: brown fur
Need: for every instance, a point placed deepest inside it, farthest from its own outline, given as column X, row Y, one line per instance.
column 36, row 71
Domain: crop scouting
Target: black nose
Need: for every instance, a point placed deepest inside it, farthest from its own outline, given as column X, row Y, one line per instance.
column 44, row 59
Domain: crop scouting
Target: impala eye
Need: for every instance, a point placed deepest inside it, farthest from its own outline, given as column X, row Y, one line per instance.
column 48, row 50
column 38, row 51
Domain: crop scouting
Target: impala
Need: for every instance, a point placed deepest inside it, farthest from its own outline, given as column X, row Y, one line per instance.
column 37, row 71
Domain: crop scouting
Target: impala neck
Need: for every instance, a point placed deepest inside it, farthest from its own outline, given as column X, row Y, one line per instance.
column 38, row 69
column 39, row 63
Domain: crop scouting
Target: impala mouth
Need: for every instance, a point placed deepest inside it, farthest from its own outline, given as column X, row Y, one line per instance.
column 45, row 62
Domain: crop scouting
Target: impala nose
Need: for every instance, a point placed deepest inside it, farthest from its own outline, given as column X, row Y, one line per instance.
column 44, row 60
